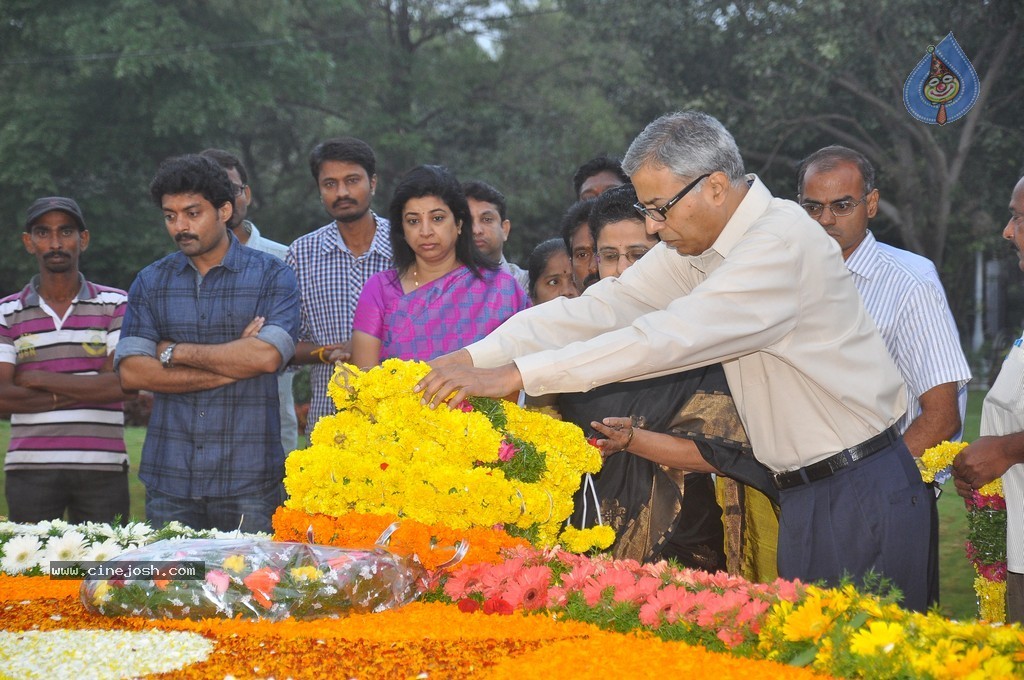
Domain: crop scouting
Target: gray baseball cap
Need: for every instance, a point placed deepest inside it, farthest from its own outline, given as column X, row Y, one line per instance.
column 41, row 206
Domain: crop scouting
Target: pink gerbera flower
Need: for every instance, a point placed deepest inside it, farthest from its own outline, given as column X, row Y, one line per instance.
column 529, row 588
column 613, row 579
column 219, row 580
column 464, row 582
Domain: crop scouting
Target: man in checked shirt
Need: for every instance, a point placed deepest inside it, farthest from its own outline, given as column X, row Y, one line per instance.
column 207, row 330
column 333, row 262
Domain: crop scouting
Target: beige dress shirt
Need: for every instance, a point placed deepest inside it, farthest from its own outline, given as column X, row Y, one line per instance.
column 771, row 300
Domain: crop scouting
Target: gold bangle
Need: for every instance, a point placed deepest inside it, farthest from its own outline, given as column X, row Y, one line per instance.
column 320, row 355
column 629, row 439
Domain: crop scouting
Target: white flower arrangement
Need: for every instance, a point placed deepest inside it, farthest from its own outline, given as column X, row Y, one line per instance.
column 29, row 548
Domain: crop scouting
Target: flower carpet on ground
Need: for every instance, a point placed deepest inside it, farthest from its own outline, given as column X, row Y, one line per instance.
column 434, row 639
column 525, row 600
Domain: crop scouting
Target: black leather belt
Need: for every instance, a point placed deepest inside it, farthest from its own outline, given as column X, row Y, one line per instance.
column 833, row 464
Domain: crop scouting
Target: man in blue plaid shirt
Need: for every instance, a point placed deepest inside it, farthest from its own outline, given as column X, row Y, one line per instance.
column 207, row 330
column 333, row 262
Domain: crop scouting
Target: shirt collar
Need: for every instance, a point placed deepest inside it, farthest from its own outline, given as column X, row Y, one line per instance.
column 863, row 260
column 753, row 205
column 381, row 242
column 30, row 294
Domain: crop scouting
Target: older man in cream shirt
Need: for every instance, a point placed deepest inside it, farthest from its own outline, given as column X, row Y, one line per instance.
column 751, row 281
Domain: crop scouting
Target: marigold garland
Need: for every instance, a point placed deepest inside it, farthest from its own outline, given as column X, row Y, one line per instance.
column 475, row 466
column 986, row 519
column 430, row 543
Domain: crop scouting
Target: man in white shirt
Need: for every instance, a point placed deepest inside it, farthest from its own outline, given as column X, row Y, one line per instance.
column 248, row 235
column 748, row 280
column 902, row 294
column 836, row 187
column 1000, row 449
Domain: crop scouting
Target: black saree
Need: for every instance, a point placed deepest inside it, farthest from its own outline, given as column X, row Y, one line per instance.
column 659, row 512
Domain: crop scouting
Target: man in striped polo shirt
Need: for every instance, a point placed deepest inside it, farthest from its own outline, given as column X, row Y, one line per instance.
column 904, row 297
column 57, row 340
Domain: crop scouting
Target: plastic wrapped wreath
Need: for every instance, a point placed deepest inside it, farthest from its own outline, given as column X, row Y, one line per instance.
column 255, row 579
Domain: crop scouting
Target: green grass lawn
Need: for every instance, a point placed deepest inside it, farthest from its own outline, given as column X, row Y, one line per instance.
column 956, row 573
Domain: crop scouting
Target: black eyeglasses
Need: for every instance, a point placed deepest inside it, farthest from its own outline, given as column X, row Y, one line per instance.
column 840, row 208
column 658, row 214
column 238, row 188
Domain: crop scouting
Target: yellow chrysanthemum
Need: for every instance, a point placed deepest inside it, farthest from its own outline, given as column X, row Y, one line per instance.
column 582, row 540
column 938, row 458
column 880, row 637
column 991, row 599
column 807, row 622
column 384, row 452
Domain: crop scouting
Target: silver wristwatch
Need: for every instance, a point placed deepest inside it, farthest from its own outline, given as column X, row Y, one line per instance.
column 167, row 356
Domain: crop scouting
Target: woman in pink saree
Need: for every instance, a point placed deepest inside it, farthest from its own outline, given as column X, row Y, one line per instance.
column 443, row 294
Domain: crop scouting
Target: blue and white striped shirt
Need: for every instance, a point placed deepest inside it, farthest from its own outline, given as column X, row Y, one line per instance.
column 330, row 281
column 903, row 295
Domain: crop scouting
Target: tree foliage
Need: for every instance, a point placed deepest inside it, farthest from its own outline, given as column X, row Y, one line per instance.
column 516, row 93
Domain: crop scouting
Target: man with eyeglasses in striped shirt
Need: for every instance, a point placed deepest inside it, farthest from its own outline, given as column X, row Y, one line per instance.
column 902, row 294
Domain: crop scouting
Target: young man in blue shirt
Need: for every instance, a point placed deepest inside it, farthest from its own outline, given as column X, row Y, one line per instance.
column 207, row 330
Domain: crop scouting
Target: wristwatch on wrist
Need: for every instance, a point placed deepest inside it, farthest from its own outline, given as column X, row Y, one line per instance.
column 167, row 355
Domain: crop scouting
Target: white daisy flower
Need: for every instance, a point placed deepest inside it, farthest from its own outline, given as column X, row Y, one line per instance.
column 38, row 529
column 67, row 548
column 101, row 552
column 56, row 527
column 99, row 529
column 21, row 553
column 138, row 530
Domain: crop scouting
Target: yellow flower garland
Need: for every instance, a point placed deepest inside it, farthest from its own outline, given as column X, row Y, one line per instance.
column 935, row 462
column 386, row 453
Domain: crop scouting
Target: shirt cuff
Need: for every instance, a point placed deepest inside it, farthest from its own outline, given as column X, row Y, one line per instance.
column 487, row 353
column 543, row 376
column 281, row 340
column 133, row 346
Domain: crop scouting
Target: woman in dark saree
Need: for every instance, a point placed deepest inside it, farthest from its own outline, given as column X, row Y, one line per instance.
column 662, row 438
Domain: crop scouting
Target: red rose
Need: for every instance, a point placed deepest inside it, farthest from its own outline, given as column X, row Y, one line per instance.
column 496, row 605
column 468, row 605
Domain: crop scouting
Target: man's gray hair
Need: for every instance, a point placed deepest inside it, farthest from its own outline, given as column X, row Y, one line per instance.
column 689, row 144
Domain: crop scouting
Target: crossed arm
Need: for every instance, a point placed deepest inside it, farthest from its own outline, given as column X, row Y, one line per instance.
column 202, row 367
column 35, row 391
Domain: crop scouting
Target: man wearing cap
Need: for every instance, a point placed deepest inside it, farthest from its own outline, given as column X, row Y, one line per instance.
column 57, row 340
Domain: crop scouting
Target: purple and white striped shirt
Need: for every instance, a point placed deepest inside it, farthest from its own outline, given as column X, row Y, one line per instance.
column 82, row 436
